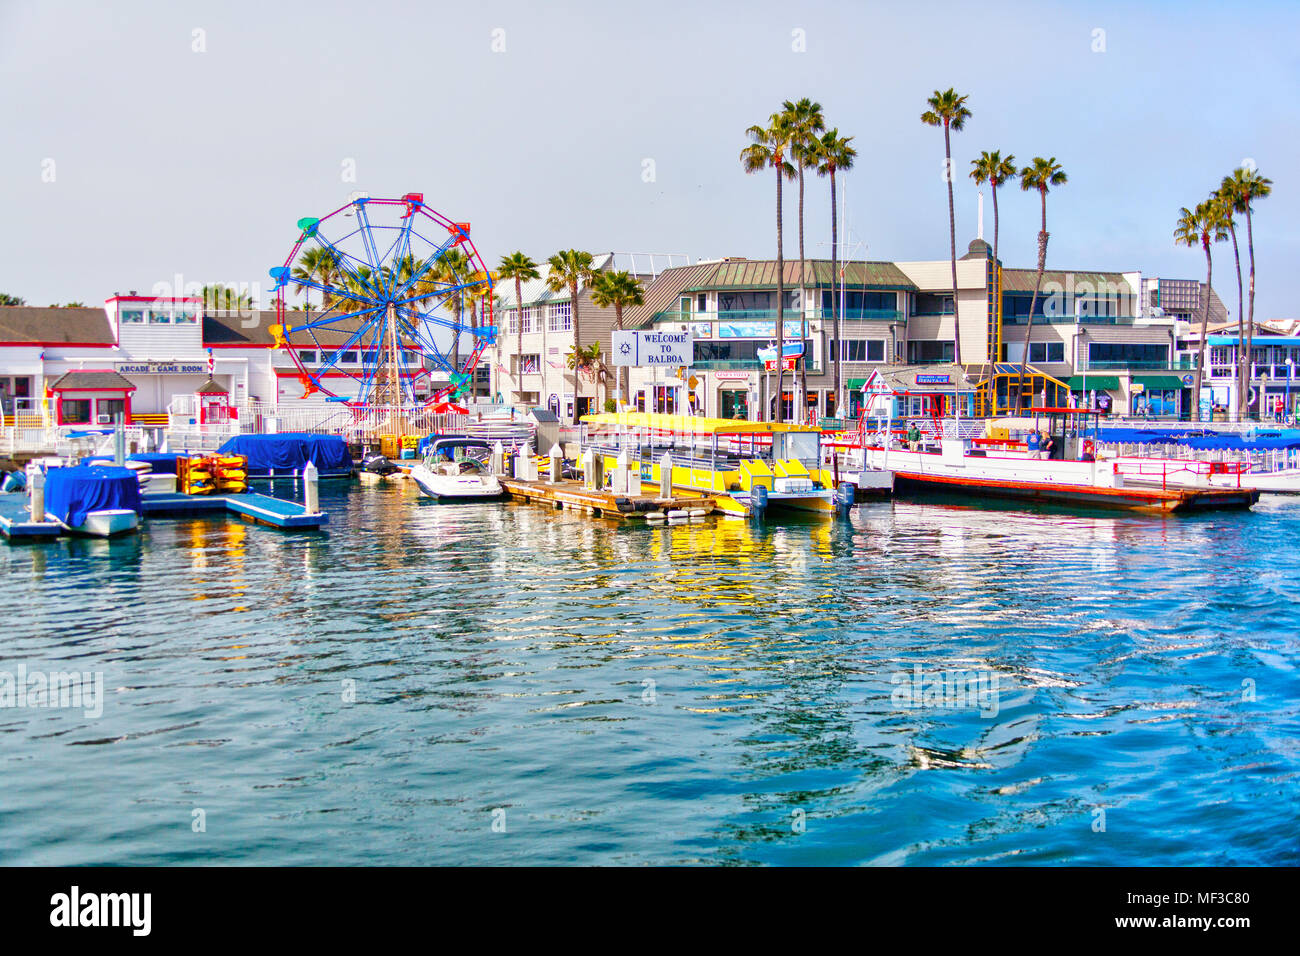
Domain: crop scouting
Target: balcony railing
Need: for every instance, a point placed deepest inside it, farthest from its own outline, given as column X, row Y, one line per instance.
column 769, row 315
column 1070, row 319
column 1162, row 365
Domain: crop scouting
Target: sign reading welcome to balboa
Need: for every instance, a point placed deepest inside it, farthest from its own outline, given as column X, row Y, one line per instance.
column 652, row 348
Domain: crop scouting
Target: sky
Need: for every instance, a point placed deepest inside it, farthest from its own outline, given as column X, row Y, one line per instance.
column 153, row 139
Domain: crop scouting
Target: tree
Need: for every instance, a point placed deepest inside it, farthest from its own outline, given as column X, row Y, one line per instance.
column 519, row 267
column 768, row 148
column 834, row 154
column 570, row 268
column 318, row 264
column 995, row 169
column 805, row 121
column 1227, row 197
column 222, row 298
column 1207, row 223
column 587, row 360
column 948, row 109
column 1247, row 186
column 1042, row 175
column 7, row 299
column 618, row 290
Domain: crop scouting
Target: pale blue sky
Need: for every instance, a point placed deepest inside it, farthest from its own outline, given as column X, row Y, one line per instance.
column 170, row 161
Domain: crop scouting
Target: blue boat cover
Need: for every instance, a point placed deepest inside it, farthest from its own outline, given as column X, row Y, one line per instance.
column 160, row 463
column 71, row 493
column 290, row 452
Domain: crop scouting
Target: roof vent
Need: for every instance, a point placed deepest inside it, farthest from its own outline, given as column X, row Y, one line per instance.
column 133, row 292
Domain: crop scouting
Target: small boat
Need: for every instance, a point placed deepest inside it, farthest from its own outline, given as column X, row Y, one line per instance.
column 457, row 469
column 93, row 500
column 377, row 468
column 108, row 522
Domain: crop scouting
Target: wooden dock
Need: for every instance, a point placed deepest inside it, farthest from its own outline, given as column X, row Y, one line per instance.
column 16, row 523
column 573, row 495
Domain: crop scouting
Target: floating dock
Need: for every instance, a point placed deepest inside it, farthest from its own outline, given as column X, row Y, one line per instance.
column 264, row 509
column 603, row 504
column 16, row 522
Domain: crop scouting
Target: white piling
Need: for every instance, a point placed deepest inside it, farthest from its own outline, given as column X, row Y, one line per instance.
column 119, row 441
column 498, row 458
column 311, row 494
column 36, row 482
column 557, row 463
column 589, row 470
column 666, row 476
column 622, row 472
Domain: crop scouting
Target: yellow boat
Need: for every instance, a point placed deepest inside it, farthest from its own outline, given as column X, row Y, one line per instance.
column 726, row 459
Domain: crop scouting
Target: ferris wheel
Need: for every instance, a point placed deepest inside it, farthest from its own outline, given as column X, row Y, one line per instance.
column 405, row 303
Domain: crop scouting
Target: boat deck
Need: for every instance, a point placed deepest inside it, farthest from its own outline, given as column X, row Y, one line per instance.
column 601, row 504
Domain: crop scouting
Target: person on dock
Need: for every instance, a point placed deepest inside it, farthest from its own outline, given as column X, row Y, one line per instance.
column 1032, row 444
column 913, row 438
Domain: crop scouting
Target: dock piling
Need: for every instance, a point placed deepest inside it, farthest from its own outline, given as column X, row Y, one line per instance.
column 311, row 494
column 666, row 476
column 36, row 482
column 557, row 463
column 498, row 458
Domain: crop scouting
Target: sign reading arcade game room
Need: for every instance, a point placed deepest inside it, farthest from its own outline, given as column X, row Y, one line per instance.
column 652, row 348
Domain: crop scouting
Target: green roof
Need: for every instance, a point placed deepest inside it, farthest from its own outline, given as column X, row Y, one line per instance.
column 1099, row 383
column 1160, row 381
column 761, row 274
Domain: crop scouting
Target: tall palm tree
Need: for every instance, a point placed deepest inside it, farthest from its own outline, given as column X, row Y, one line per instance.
column 995, row 169
column 1228, row 196
column 1042, row 175
column 806, row 121
column 321, row 265
column 618, row 290
column 834, row 154
column 1247, row 186
column 519, row 267
column 948, row 109
column 570, row 269
column 768, row 148
column 1207, row 223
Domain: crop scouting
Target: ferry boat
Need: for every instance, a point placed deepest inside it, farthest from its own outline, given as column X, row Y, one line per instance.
column 743, row 466
column 1074, row 474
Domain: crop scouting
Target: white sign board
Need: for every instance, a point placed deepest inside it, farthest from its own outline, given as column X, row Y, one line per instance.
column 652, row 348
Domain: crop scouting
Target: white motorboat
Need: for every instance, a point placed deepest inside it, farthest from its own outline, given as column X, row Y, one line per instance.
column 108, row 523
column 457, row 469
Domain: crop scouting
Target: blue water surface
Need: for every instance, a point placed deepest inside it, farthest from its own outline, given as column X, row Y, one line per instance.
column 507, row 684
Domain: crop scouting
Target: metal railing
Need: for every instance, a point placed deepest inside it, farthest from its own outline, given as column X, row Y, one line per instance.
column 769, row 315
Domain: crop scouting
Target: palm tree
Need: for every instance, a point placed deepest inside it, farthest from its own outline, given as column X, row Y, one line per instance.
column 587, row 359
column 320, row 265
column 948, row 109
column 769, row 147
column 1207, row 223
column 1247, row 186
column 220, row 297
column 1041, row 174
column 995, row 169
column 1226, row 195
column 619, row 290
column 806, row 121
column 519, row 267
column 570, row 268
column 833, row 153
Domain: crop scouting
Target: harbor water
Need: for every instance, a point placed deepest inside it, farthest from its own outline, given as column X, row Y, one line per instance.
column 923, row 683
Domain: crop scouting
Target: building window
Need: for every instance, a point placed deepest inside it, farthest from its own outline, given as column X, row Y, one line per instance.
column 184, row 317
column 133, row 317
column 1118, row 354
column 859, row 304
column 924, row 352
column 109, row 407
column 349, row 357
column 929, row 303
column 529, row 319
column 559, row 317
column 529, row 364
column 75, row 411
column 862, row 350
column 160, row 317
column 1047, row 351
column 512, row 322
column 307, row 356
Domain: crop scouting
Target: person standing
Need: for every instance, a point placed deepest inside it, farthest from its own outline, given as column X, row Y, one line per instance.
column 1032, row 444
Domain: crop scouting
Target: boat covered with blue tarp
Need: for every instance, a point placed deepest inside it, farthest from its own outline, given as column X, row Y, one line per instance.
column 289, row 452
column 71, row 494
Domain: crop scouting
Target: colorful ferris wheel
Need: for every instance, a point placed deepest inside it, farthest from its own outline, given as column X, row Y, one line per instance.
column 403, row 305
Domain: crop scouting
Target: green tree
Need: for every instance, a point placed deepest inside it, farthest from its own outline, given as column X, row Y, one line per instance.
column 768, row 148
column 1227, row 197
column 834, row 154
column 319, row 265
column 7, row 299
column 222, row 298
column 520, row 268
column 995, row 169
column 1042, row 175
column 569, row 269
column 1207, row 223
column 1247, row 186
column 948, row 109
column 618, row 290
column 805, row 120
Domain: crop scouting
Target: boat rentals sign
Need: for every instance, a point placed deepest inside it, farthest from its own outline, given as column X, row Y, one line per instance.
column 652, row 348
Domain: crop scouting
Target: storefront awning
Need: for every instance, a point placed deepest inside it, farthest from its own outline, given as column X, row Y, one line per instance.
column 855, row 384
column 1160, row 381
column 1098, row 383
